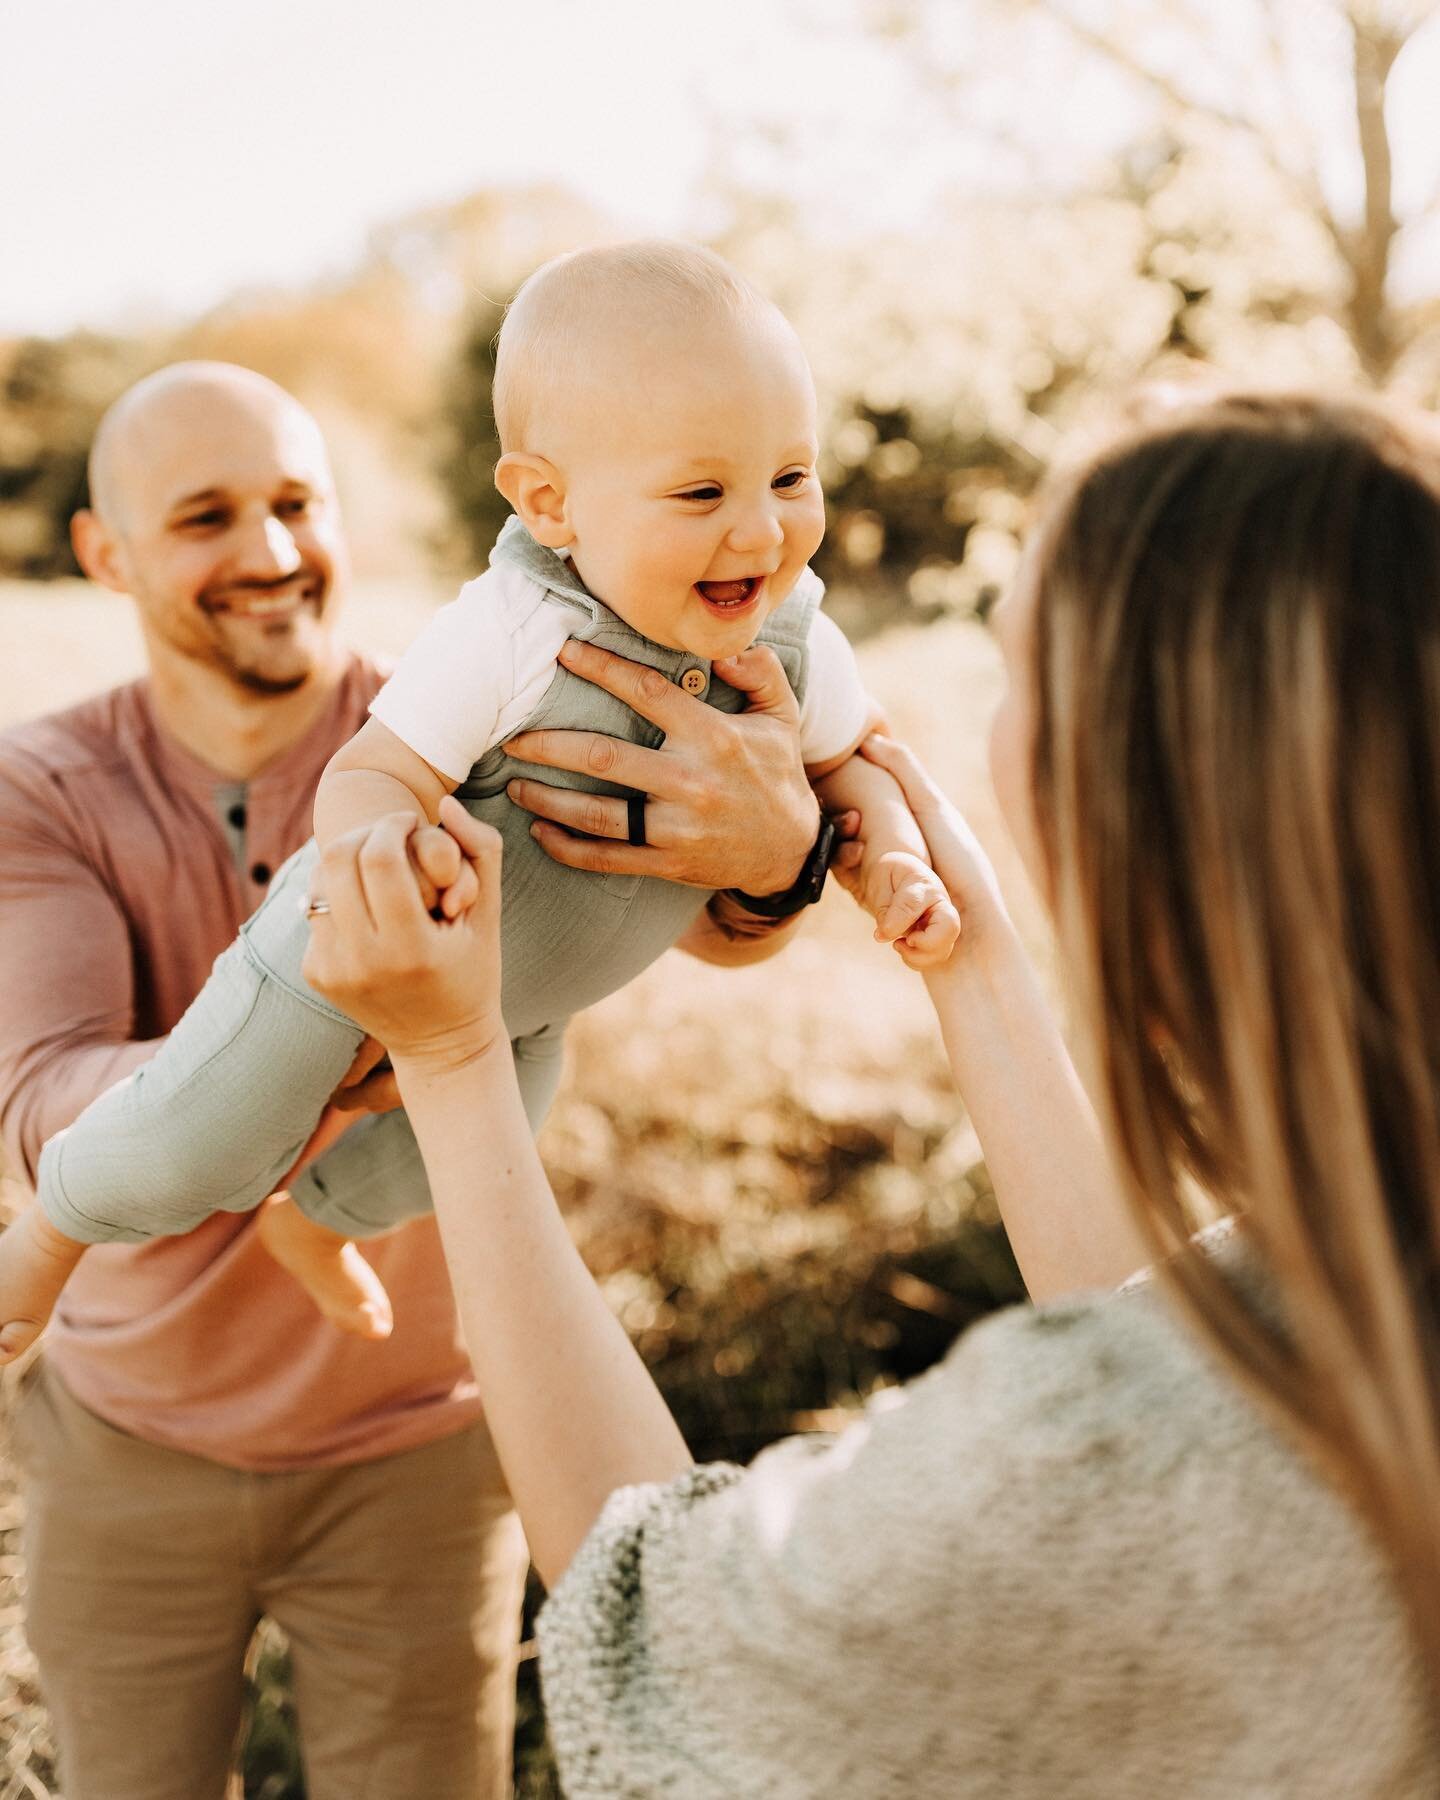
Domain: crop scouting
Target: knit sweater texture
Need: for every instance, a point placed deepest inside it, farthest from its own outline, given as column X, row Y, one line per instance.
column 1072, row 1562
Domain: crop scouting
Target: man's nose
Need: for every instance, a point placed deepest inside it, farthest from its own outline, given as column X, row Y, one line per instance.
column 270, row 552
column 756, row 529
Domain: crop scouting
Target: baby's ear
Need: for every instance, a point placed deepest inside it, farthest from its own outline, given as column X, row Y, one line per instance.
column 536, row 489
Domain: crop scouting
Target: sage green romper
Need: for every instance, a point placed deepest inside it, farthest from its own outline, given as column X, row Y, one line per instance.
column 217, row 1117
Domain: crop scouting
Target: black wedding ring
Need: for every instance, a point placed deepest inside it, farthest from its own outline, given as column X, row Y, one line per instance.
column 635, row 807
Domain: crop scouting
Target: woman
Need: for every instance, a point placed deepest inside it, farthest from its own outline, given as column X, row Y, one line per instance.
column 1183, row 1540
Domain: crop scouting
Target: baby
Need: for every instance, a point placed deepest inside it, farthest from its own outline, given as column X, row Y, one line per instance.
column 658, row 426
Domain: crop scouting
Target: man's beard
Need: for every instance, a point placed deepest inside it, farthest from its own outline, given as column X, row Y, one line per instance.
column 257, row 683
column 295, row 651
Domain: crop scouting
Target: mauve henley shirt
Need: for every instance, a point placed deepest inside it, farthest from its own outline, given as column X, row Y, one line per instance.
column 119, row 886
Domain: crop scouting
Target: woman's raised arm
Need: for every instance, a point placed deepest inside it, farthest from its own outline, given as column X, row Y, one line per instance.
column 572, row 1409
column 1057, row 1190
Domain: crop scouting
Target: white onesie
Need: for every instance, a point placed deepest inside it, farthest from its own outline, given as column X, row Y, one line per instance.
column 481, row 666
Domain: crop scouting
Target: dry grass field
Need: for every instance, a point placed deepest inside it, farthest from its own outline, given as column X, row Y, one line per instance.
column 766, row 1167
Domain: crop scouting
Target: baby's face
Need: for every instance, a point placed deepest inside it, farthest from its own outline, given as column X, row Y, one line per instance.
column 692, row 493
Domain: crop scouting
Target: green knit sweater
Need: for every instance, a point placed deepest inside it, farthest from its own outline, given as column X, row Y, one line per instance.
column 1073, row 1562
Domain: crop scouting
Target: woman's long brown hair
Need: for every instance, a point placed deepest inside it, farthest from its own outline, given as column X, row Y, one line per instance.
column 1237, row 773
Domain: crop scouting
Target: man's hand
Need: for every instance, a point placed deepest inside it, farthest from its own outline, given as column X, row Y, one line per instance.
column 728, row 802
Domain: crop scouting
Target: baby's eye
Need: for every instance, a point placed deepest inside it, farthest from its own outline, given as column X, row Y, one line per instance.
column 791, row 479
column 202, row 521
column 700, row 493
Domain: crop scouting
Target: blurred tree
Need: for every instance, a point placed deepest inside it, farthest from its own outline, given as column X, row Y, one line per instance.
column 905, row 494
column 270, row 1759
column 486, row 243
column 1371, row 35
column 1261, row 79
column 365, row 351
column 365, row 354
column 470, row 443
column 52, row 393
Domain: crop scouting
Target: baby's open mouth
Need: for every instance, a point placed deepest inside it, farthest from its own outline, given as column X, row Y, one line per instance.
column 729, row 596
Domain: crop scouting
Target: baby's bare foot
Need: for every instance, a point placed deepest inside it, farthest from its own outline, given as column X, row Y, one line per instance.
column 35, row 1263
column 329, row 1268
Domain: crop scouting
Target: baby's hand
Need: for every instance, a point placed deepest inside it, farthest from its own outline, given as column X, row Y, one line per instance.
column 447, row 881
column 911, row 908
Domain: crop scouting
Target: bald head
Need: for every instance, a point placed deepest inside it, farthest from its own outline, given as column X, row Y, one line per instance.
column 606, row 320
column 189, row 418
column 213, row 508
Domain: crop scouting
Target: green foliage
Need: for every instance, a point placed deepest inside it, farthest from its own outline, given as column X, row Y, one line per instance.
column 903, row 492
column 536, row 1776
column 270, row 1757
column 471, row 444
column 52, row 393
column 792, row 1344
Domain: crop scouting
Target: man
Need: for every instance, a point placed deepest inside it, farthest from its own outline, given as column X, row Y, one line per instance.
column 200, row 1447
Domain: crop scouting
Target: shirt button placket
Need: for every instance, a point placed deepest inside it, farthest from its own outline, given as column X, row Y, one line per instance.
column 262, row 867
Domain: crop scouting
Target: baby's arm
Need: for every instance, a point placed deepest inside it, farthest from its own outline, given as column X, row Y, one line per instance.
column 895, row 882
column 376, row 774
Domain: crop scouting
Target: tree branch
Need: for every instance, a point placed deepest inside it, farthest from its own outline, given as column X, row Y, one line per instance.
column 1303, row 182
column 1375, row 51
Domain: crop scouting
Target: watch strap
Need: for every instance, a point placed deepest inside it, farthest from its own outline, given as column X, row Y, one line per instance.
column 807, row 887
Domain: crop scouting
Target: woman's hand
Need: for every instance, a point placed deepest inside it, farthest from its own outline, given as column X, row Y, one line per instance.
column 428, row 989
column 955, row 852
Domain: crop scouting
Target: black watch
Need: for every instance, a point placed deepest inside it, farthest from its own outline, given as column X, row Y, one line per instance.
column 807, row 887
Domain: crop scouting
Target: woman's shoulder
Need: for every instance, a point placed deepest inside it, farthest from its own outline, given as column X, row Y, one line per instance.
column 1087, row 1479
column 1124, row 1388
column 1026, row 1560
column 1121, row 1394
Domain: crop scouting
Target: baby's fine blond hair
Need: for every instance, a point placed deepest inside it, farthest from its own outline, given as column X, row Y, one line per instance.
column 573, row 306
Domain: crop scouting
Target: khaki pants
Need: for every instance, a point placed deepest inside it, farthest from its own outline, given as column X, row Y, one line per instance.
column 398, row 1582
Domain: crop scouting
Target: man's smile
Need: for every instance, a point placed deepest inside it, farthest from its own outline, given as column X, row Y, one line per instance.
column 265, row 604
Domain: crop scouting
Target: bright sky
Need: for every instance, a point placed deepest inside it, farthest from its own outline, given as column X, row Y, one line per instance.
column 161, row 153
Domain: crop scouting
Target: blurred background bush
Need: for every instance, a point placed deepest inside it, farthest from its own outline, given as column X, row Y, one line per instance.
column 988, row 219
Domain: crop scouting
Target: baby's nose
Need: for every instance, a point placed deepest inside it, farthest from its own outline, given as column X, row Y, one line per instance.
column 757, row 529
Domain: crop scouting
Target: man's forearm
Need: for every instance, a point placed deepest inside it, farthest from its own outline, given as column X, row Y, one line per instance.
column 730, row 938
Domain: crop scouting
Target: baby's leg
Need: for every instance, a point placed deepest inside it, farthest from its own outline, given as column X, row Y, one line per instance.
column 218, row 1116
column 329, row 1267
column 35, row 1263
column 374, row 1178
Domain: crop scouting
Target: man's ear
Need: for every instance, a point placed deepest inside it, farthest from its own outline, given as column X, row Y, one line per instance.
column 536, row 489
column 95, row 549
